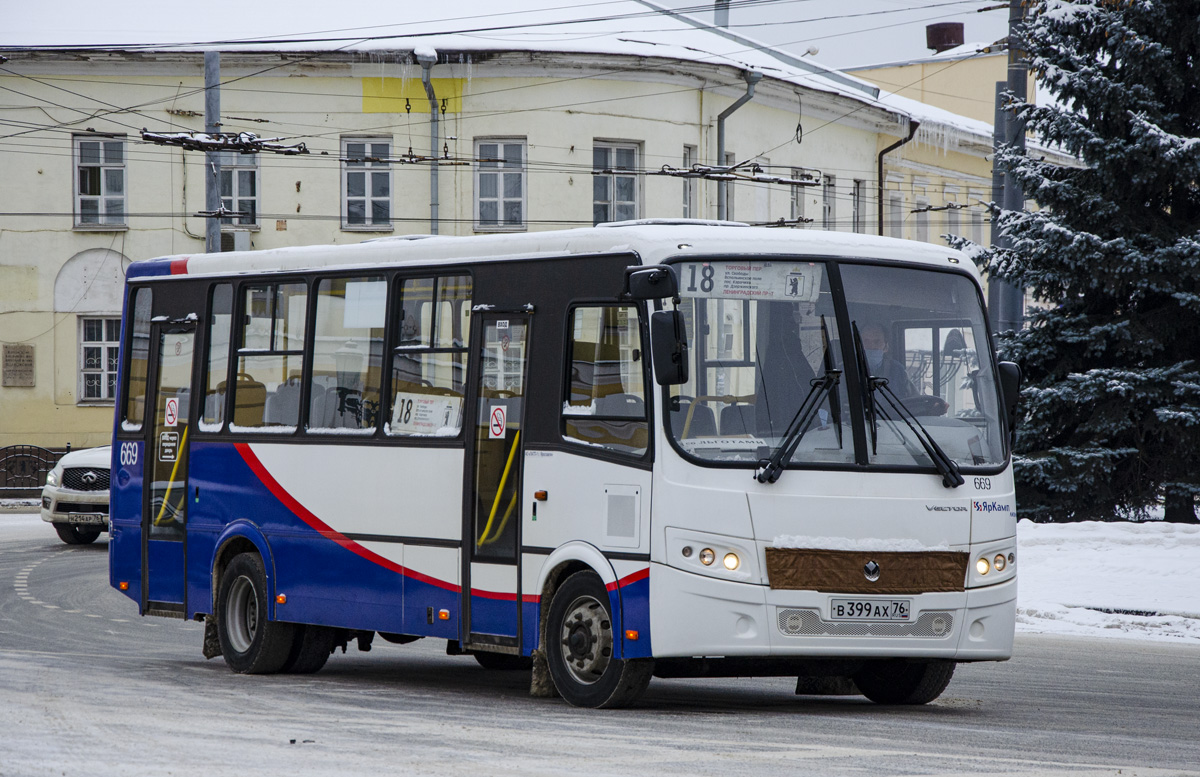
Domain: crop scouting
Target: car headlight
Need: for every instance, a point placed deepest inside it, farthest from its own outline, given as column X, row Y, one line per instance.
column 52, row 478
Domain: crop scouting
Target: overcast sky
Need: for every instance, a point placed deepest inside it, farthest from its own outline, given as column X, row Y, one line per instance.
column 851, row 33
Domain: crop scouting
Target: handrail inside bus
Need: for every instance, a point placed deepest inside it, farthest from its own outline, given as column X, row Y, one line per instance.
column 500, row 490
column 171, row 482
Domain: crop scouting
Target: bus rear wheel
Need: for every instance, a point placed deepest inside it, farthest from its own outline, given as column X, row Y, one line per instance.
column 250, row 643
column 901, row 682
column 580, row 648
column 311, row 648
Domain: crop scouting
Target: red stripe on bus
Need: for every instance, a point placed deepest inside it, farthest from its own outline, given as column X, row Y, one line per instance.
column 179, row 266
column 641, row 574
column 303, row 513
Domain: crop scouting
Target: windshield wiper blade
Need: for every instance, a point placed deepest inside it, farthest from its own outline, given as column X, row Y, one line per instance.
column 946, row 467
column 867, row 388
column 769, row 468
column 835, row 402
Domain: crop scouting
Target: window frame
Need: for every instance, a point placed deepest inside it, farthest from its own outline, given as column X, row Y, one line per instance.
column 234, row 163
column 104, row 372
column 829, row 202
column 690, row 185
column 499, row 170
column 238, row 350
column 580, row 447
column 103, row 221
column 611, row 146
column 348, row 167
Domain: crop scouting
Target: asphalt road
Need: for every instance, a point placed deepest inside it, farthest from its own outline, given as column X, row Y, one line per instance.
column 87, row 687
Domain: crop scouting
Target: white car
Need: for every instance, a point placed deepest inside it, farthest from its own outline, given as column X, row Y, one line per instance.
column 75, row 498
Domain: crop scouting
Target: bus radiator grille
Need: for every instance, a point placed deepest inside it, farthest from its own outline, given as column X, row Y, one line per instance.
column 808, row 623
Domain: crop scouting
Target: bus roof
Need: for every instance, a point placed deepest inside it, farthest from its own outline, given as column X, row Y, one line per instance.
column 654, row 240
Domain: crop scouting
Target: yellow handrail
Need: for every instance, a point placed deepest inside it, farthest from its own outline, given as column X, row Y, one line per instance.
column 500, row 490
column 171, row 482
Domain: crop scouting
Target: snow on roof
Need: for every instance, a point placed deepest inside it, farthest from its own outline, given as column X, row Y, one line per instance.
column 965, row 51
column 619, row 27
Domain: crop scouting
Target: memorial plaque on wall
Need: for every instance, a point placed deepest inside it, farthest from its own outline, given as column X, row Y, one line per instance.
column 18, row 365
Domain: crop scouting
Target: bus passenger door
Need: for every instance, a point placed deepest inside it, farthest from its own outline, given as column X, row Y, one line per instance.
column 164, row 510
column 492, row 511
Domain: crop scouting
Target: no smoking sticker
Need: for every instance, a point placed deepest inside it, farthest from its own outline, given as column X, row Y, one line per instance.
column 172, row 411
column 498, row 422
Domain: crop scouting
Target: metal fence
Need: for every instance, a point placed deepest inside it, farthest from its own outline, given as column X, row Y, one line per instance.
column 23, row 469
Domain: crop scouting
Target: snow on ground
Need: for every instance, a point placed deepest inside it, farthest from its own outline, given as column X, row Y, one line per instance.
column 1119, row 579
column 1109, row 579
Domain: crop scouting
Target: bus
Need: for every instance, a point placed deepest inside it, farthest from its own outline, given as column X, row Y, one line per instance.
column 603, row 455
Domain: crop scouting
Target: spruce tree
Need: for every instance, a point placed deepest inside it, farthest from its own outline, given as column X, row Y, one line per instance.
column 1111, row 401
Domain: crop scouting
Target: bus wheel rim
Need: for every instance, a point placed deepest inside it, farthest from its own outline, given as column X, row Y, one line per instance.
column 586, row 640
column 242, row 620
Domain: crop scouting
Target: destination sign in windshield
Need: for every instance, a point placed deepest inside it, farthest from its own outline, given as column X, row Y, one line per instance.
column 784, row 281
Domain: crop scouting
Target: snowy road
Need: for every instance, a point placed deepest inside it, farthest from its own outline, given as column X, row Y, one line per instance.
column 88, row 688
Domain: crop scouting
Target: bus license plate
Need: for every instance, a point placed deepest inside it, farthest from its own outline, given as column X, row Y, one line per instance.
column 870, row 609
column 87, row 517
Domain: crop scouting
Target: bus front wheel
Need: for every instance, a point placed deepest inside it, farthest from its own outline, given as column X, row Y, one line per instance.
column 250, row 642
column 580, row 648
column 901, row 682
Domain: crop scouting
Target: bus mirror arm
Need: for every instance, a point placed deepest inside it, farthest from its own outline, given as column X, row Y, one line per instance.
column 650, row 283
column 668, row 347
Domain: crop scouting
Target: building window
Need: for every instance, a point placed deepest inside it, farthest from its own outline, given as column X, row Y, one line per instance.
column 100, row 187
column 895, row 213
column 828, row 202
column 99, row 347
column 690, row 210
column 500, row 184
column 614, row 182
column 921, row 208
column 859, row 205
column 239, row 187
column 366, row 183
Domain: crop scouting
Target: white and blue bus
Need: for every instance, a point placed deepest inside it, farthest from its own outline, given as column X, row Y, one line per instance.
column 648, row 449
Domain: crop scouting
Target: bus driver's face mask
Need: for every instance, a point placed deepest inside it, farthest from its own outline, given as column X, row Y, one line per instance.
column 874, row 358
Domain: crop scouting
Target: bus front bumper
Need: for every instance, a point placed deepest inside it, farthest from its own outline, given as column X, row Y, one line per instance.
column 694, row 615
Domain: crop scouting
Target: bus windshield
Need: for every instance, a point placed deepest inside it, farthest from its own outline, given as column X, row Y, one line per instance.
column 771, row 367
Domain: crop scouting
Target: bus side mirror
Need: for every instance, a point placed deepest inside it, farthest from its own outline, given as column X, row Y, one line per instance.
column 650, row 283
column 668, row 347
column 1010, row 389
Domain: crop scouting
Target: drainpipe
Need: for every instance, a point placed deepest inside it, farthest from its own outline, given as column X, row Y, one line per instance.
column 912, row 131
column 752, row 77
column 427, row 60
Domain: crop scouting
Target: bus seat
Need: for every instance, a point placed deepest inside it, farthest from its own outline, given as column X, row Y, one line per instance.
column 214, row 404
column 704, row 422
column 737, row 419
column 320, row 407
column 621, row 405
column 282, row 407
column 249, row 400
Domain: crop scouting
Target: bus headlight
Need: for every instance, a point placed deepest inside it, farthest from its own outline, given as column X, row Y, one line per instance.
column 983, row 566
column 731, row 561
column 999, row 562
column 707, row 557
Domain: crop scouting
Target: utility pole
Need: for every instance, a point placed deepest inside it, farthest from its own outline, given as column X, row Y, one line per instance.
column 212, row 126
column 1005, row 301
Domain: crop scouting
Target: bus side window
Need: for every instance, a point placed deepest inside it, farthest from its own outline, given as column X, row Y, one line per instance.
column 606, row 395
column 266, row 390
column 139, row 359
column 347, row 354
column 212, row 415
column 429, row 361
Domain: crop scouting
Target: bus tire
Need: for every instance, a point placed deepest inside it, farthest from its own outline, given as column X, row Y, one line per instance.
column 76, row 535
column 250, row 642
column 902, row 682
column 503, row 662
column 311, row 648
column 580, row 648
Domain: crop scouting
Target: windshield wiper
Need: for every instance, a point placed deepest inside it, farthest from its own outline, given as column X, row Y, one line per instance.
column 866, row 389
column 769, row 468
column 835, row 401
column 951, row 478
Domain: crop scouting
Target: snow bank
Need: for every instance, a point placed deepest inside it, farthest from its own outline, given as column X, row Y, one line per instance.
column 1109, row 579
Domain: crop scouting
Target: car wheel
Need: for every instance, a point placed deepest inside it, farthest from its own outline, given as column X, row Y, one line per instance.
column 580, row 648
column 250, row 642
column 310, row 649
column 901, row 682
column 76, row 535
column 503, row 662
